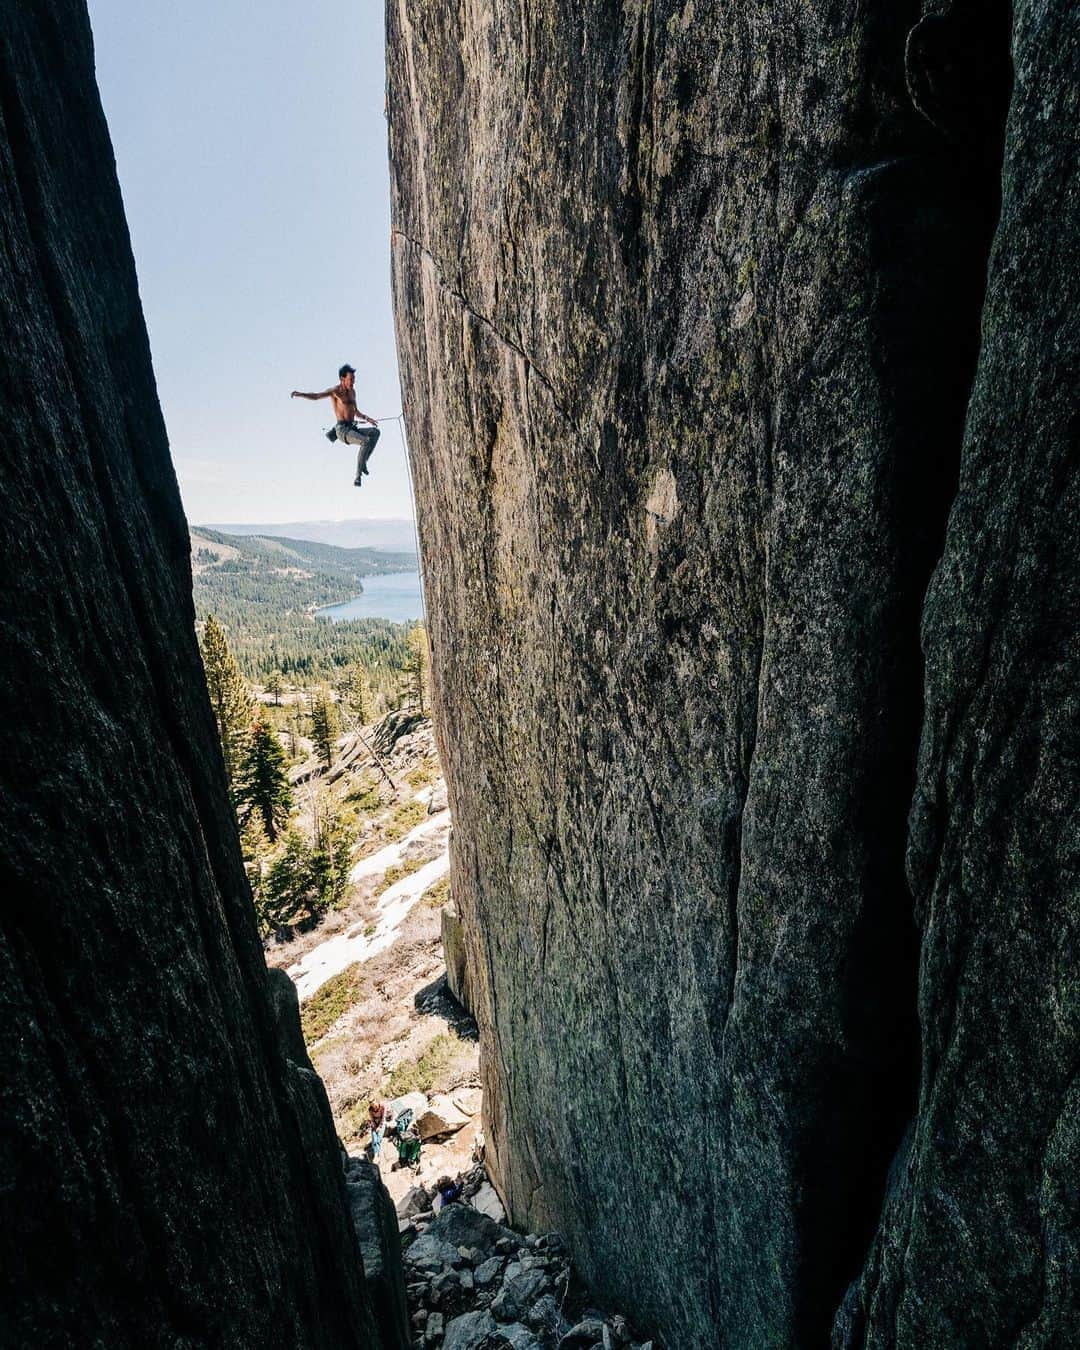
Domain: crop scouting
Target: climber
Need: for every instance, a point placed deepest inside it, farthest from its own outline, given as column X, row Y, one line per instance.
column 379, row 1119
column 409, row 1148
column 447, row 1192
column 348, row 429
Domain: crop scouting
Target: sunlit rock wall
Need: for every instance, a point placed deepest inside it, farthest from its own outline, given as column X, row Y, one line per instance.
column 689, row 300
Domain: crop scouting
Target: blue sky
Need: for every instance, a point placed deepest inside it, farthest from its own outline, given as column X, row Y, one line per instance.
column 251, row 147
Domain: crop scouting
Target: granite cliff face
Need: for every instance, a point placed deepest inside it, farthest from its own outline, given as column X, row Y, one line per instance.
column 980, row 1238
column 168, row 1168
column 689, row 304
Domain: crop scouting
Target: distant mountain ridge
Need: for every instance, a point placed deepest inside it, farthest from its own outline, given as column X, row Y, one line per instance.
column 321, row 559
column 396, row 535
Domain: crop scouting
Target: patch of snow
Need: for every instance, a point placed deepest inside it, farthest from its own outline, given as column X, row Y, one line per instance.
column 377, row 863
column 330, row 958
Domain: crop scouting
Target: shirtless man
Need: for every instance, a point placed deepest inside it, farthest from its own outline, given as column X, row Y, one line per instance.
column 348, row 430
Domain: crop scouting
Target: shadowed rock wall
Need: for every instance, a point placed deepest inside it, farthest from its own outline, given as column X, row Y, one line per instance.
column 167, row 1177
column 980, row 1238
column 689, row 300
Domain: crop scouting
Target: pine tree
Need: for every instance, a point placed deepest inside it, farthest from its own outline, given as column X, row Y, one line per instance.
column 230, row 697
column 293, row 730
column 331, row 851
column 417, row 665
column 289, row 890
column 254, row 846
column 356, row 693
column 274, row 685
column 262, row 781
column 306, row 878
column 324, row 725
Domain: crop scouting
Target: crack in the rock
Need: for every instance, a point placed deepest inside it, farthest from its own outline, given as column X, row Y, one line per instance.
column 496, row 332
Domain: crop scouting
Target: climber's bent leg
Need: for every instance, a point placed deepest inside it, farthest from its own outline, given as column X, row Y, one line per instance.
column 372, row 435
column 364, row 437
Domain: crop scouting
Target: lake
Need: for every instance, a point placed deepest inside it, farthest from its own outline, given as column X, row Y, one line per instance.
column 395, row 597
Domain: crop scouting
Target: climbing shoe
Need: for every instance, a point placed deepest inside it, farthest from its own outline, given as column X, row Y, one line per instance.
column 331, row 435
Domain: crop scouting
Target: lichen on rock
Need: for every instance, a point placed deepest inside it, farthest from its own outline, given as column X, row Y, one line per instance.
column 735, row 257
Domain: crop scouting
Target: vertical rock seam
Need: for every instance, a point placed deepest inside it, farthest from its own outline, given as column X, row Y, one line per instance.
column 167, row 1176
column 688, row 301
column 979, row 1243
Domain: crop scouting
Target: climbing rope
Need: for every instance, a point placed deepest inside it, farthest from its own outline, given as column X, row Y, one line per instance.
column 399, row 418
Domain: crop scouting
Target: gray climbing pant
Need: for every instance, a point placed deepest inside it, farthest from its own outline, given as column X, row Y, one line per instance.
column 350, row 433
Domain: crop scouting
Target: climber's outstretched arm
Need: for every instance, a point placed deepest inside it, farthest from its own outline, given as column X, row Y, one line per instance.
column 297, row 394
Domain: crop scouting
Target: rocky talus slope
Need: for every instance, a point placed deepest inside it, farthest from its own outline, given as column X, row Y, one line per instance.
column 474, row 1284
column 168, row 1168
column 740, row 356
